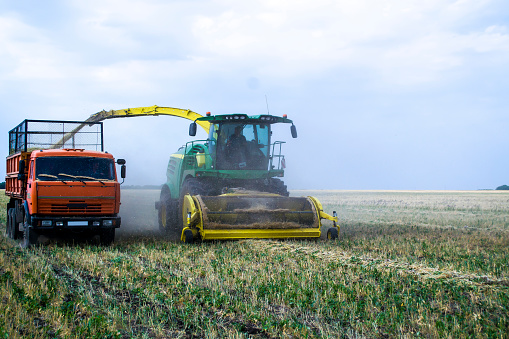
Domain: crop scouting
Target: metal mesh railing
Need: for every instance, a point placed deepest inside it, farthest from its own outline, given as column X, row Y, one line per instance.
column 50, row 134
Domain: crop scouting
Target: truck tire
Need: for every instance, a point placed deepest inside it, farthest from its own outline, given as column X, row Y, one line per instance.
column 30, row 237
column 16, row 233
column 107, row 236
column 9, row 225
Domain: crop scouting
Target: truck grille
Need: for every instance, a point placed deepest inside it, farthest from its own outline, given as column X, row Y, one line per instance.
column 75, row 207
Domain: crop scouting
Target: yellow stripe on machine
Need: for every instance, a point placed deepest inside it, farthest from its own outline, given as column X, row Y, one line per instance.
column 261, row 234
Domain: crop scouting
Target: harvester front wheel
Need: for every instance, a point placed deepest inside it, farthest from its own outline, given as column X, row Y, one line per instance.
column 332, row 233
column 168, row 213
column 278, row 186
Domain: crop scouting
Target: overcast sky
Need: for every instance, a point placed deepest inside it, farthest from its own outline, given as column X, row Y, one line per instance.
column 394, row 94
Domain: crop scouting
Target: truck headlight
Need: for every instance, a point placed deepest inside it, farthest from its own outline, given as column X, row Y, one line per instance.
column 107, row 222
column 46, row 223
column 97, row 223
column 60, row 223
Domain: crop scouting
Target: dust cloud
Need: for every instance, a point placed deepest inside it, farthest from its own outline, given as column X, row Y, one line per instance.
column 138, row 213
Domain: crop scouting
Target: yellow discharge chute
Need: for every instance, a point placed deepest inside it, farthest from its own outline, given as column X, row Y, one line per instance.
column 136, row 112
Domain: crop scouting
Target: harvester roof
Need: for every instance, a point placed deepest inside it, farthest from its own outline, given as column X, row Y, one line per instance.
column 244, row 118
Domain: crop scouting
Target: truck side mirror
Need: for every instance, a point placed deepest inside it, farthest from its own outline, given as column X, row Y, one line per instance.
column 121, row 161
column 293, row 129
column 21, row 172
column 192, row 129
column 122, row 171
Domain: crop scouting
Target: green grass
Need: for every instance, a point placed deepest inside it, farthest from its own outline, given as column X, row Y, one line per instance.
column 416, row 271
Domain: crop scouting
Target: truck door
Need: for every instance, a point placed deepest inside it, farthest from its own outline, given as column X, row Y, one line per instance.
column 31, row 187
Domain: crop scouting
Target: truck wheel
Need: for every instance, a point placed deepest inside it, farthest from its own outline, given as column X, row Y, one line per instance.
column 9, row 226
column 16, row 233
column 107, row 236
column 30, row 237
column 332, row 233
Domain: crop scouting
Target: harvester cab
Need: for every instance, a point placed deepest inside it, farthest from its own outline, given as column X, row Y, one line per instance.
column 242, row 142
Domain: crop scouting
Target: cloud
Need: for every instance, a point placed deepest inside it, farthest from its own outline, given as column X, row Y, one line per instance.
column 123, row 42
column 372, row 75
column 405, row 42
column 26, row 53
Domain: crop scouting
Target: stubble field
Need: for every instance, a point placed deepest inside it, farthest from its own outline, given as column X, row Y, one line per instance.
column 407, row 264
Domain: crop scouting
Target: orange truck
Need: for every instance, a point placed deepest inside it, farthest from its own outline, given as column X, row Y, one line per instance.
column 61, row 182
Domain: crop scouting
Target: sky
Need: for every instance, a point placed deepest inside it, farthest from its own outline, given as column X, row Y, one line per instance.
column 394, row 94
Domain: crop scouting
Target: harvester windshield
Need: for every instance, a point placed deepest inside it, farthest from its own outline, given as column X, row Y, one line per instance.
column 240, row 145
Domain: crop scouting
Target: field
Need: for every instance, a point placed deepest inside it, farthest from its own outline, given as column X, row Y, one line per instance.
column 407, row 264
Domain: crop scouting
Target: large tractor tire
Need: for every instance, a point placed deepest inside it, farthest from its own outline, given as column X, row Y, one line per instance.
column 168, row 213
column 277, row 186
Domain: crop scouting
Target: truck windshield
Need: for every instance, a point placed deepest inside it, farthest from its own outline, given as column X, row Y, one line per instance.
column 74, row 168
column 240, row 146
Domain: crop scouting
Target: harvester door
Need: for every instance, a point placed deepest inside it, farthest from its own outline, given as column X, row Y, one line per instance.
column 212, row 141
column 257, row 146
column 243, row 146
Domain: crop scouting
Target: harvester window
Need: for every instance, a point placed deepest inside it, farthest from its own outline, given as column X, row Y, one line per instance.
column 242, row 146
